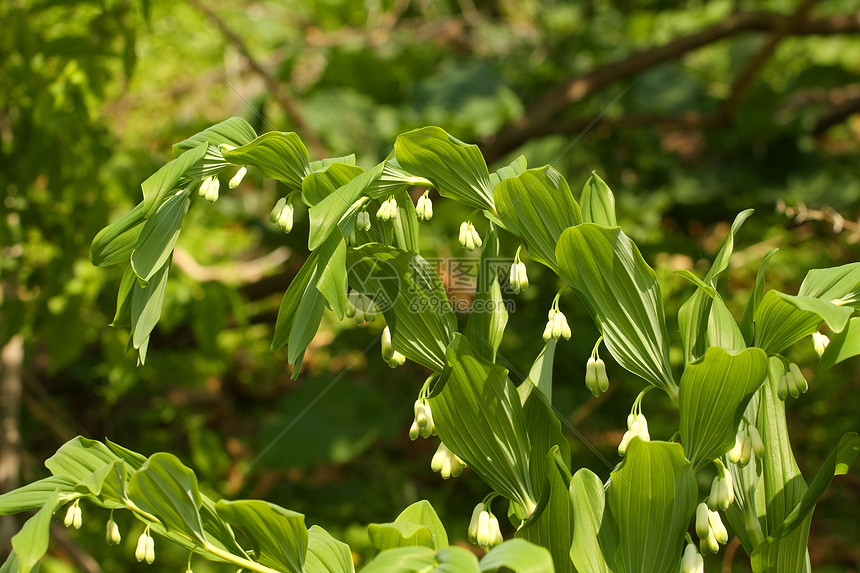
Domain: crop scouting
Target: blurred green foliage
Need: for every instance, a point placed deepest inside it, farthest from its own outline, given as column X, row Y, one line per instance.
column 92, row 95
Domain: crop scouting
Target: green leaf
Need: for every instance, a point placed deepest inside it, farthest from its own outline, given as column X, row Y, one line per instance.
column 234, row 131
column 107, row 484
column 516, row 167
column 307, row 321
column 290, row 303
column 325, row 215
column 422, row 513
column 551, row 525
column 146, row 305
column 402, row 560
column 34, row 495
column 164, row 181
column 165, row 488
column 80, row 457
column 540, row 373
column 834, row 283
column 588, row 500
column 405, row 225
column 133, row 459
column 843, row 345
column 326, row 554
column 11, row 564
column 478, row 415
column 457, row 170
column 403, row 534
column 210, row 165
column 837, row 463
column 332, row 277
column 623, row 296
column 278, row 535
column 713, row 394
column 747, row 321
column 122, row 316
column 537, row 206
column 784, row 554
column 782, row 319
column 278, row 154
column 409, row 293
column 318, row 185
column 598, row 202
column 114, row 243
column 519, row 556
column 31, row 542
column 159, row 236
column 544, row 430
column 488, row 316
column 456, row 560
column 651, row 499
column 322, row 164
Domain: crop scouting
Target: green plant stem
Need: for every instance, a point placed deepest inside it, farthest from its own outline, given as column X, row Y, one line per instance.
column 240, row 561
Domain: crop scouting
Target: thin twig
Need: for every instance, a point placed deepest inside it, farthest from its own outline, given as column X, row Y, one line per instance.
column 234, row 274
column 275, row 87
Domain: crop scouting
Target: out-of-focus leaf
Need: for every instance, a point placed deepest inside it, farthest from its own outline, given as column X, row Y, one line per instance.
column 519, row 556
column 651, row 499
column 158, row 238
column 410, row 295
column 164, row 181
column 326, row 554
column 843, row 345
column 713, row 395
column 278, row 154
column 537, row 206
column 598, row 202
column 588, row 500
column 458, row 170
column 234, row 131
column 31, row 542
column 488, row 316
column 165, row 488
column 278, row 535
column 114, row 243
column 623, row 296
column 782, row 319
column 478, row 415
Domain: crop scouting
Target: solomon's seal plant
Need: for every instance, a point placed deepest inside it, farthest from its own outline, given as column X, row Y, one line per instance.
column 729, row 389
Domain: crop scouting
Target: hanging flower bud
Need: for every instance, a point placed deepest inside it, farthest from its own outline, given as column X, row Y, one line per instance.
column 736, row 454
column 74, row 518
column 396, row 360
column 637, row 427
column 799, row 380
column 591, row 377
column 424, row 207
column 140, row 551
column 285, row 217
column 710, row 543
column 515, row 278
column 746, row 451
column 388, row 210
column 237, row 178
column 149, row 554
column 424, row 418
column 602, row 377
column 495, row 532
column 362, row 220
column 692, row 562
column 725, row 492
column 209, row 188
column 702, row 525
column 446, row 462
column 820, row 342
column 476, row 237
column 717, row 528
column 387, row 348
column 112, row 535
column 755, row 439
column 482, row 535
column 782, row 387
column 473, row 523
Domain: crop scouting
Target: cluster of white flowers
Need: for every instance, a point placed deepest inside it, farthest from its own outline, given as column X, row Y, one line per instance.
column 362, row 220
column 388, row 210
column 74, row 518
column 446, row 462
column 484, row 528
column 360, row 308
column 145, row 550
column 424, row 207
column 469, row 237
column 422, row 425
column 747, row 443
column 692, row 562
column 282, row 214
column 519, row 278
column 792, row 382
column 637, row 427
column 722, row 489
column 556, row 326
column 209, row 188
column 391, row 356
column 710, row 529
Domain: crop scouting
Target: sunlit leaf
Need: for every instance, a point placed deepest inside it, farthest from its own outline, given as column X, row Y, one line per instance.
column 325, row 215
column 34, row 495
column 457, row 170
column 713, row 394
column 326, row 554
column 160, row 185
column 401, row 560
column 834, row 283
column 279, row 155
column 234, row 131
column 31, row 542
column 146, row 305
column 114, row 243
column 519, row 556
column 516, row 167
column 747, row 324
column 158, row 238
column 843, row 345
column 598, row 202
column 278, row 535
column 318, row 185
column 80, row 457
column 588, row 501
column 488, row 317
column 782, row 319
column 623, row 296
column 292, row 298
column 537, row 206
